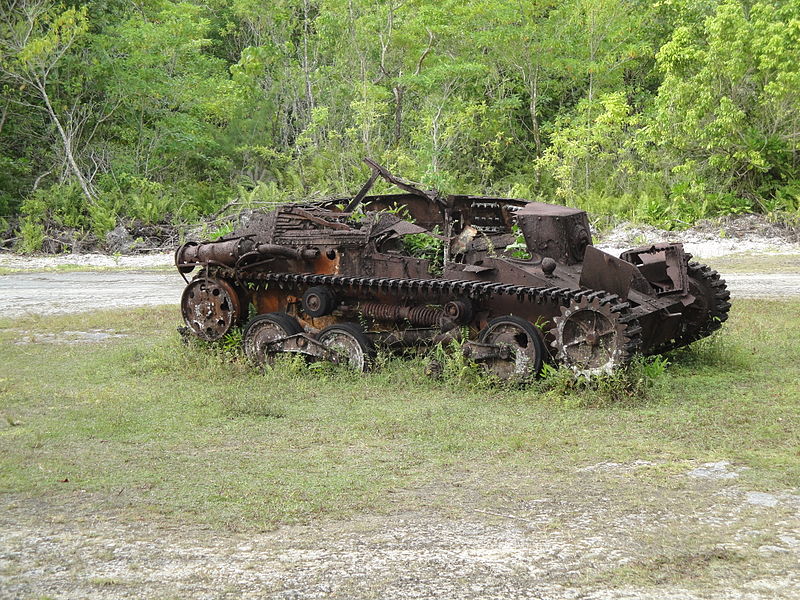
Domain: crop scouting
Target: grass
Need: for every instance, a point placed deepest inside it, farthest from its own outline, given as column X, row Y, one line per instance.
column 154, row 427
column 680, row 567
column 68, row 268
column 748, row 262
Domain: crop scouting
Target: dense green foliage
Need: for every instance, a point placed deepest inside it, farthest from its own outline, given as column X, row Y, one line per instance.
column 665, row 111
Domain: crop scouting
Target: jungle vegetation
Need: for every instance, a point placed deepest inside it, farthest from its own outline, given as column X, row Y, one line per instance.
column 663, row 111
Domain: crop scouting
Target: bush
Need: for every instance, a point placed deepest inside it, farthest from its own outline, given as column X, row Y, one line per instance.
column 60, row 207
column 103, row 218
column 31, row 234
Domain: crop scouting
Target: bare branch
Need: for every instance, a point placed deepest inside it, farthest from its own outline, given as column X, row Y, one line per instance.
column 3, row 117
column 425, row 53
column 39, row 178
column 103, row 118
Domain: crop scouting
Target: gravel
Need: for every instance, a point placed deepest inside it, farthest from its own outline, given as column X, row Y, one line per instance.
column 708, row 539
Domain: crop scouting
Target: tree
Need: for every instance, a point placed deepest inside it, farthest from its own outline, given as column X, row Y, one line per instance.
column 727, row 114
column 35, row 37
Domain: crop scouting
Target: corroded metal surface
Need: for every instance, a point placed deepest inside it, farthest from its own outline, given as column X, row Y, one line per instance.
column 341, row 276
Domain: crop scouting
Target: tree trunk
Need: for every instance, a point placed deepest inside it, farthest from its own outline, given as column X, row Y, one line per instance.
column 3, row 117
column 534, row 109
column 67, row 144
column 588, row 129
column 398, row 112
column 306, row 67
column 593, row 43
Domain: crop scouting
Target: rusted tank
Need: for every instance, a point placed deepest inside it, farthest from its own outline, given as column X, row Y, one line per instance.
column 334, row 280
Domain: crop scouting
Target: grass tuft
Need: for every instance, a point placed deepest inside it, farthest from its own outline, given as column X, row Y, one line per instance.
column 718, row 351
column 449, row 365
column 681, row 567
column 643, row 380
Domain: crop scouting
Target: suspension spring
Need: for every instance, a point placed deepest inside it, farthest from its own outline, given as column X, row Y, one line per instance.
column 419, row 316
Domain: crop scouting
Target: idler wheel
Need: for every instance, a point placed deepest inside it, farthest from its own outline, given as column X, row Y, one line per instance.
column 697, row 313
column 710, row 307
column 350, row 344
column 522, row 351
column 262, row 330
column 318, row 301
column 210, row 307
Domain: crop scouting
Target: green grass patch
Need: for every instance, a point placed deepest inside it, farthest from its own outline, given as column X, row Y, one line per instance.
column 78, row 268
column 746, row 262
column 151, row 425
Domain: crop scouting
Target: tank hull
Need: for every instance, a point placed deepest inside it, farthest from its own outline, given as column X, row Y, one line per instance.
column 519, row 283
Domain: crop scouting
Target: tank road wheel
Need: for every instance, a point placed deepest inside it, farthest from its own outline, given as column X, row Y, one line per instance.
column 264, row 329
column 350, row 343
column 522, row 349
column 595, row 336
column 210, row 307
column 318, row 301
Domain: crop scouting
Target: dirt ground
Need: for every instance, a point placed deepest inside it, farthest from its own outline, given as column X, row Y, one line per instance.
column 596, row 543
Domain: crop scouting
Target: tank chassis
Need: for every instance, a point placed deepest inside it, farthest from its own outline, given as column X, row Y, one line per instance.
column 334, row 279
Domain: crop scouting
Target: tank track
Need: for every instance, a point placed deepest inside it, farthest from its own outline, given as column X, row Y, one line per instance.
column 718, row 312
column 426, row 288
column 721, row 307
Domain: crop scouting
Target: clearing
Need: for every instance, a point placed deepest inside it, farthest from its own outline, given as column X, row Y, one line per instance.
column 134, row 466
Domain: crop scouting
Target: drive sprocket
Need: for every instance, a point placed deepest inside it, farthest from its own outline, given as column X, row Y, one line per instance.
column 708, row 311
column 595, row 335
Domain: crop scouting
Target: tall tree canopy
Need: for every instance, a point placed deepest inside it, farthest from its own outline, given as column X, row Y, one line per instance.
column 162, row 110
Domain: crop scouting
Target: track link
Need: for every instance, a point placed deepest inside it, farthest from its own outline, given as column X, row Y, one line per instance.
column 409, row 288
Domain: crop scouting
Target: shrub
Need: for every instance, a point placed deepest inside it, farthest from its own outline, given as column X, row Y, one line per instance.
column 31, row 234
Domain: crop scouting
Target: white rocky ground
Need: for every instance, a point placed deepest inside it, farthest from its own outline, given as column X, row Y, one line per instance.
column 710, row 539
column 58, row 292
column 732, row 235
column 91, row 261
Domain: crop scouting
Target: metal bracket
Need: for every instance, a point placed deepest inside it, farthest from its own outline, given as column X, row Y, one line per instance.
column 302, row 343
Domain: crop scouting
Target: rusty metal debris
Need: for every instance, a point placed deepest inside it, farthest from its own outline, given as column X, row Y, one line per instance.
column 334, row 280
